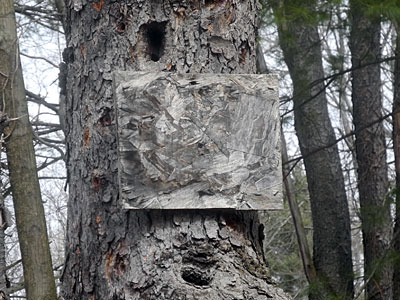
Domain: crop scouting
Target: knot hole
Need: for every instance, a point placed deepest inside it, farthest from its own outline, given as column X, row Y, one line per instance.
column 155, row 36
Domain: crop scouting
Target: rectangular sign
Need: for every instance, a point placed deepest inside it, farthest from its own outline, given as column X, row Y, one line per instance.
column 198, row 141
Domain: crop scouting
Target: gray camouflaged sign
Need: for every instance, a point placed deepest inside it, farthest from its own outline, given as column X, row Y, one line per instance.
column 198, row 141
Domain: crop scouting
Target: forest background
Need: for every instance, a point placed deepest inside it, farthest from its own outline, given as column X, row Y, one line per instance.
column 339, row 75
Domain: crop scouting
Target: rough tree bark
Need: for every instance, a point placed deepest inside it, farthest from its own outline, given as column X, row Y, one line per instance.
column 118, row 254
column 301, row 46
column 29, row 212
column 370, row 150
column 396, row 147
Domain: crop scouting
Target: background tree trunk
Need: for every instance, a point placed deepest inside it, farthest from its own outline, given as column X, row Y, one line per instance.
column 370, row 150
column 396, row 147
column 118, row 254
column 304, row 249
column 301, row 47
column 301, row 235
column 29, row 212
column 3, row 265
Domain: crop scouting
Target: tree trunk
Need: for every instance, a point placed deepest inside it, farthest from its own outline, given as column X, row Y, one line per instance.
column 370, row 151
column 29, row 212
column 301, row 47
column 396, row 147
column 3, row 265
column 114, row 253
column 301, row 235
column 304, row 249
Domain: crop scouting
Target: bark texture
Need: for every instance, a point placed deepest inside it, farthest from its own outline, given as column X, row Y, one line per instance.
column 118, row 254
column 396, row 147
column 29, row 212
column 301, row 47
column 370, row 151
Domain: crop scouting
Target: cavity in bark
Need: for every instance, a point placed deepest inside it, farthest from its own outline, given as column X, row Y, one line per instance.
column 196, row 276
column 155, row 36
column 213, row 2
column 105, row 119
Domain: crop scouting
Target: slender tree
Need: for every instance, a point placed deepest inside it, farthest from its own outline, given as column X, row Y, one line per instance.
column 396, row 147
column 112, row 253
column 304, row 249
column 301, row 45
column 370, row 149
column 3, row 265
column 29, row 213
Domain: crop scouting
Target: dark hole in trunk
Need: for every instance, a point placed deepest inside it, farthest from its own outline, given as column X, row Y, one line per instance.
column 155, row 35
column 195, row 276
column 213, row 2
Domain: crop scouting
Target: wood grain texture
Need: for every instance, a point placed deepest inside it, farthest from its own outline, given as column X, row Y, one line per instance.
column 198, row 141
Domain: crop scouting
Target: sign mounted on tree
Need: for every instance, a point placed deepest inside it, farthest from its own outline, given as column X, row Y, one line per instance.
column 198, row 141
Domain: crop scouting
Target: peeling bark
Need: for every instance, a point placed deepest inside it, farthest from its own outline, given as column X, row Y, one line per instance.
column 117, row 254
